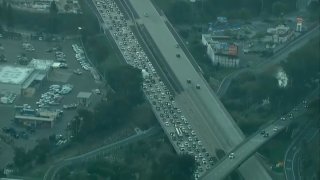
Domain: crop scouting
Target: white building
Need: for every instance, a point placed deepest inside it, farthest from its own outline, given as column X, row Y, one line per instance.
column 220, row 50
column 16, row 79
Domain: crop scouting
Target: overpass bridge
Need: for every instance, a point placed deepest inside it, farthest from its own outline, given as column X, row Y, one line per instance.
column 252, row 143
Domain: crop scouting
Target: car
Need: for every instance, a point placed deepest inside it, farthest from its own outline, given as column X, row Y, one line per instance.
column 290, row 115
column 193, row 133
column 262, row 132
column 283, row 118
column 198, row 86
column 266, row 135
column 231, row 156
column 275, row 129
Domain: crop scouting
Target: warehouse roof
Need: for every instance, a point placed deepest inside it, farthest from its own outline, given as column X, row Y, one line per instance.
column 14, row 74
column 40, row 64
column 84, row 95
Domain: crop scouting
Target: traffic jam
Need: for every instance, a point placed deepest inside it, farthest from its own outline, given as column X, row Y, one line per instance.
column 177, row 127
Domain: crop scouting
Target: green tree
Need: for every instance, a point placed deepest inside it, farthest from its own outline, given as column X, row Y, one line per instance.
column 96, row 46
column 41, row 150
column 127, row 82
column 172, row 167
column 9, row 16
column 279, row 8
column 180, row 12
column 220, row 153
column 84, row 124
column 244, row 14
column 21, row 157
column 53, row 8
column 53, row 19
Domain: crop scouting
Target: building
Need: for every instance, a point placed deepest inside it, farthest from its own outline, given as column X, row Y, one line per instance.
column 43, row 6
column 43, row 67
column 16, row 79
column 84, row 98
column 279, row 34
column 221, row 50
column 38, row 117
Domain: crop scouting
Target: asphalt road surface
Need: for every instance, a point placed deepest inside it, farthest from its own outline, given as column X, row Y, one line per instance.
column 209, row 118
column 252, row 143
column 256, row 140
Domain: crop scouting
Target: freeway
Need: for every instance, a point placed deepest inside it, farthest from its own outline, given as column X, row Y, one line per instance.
column 97, row 153
column 275, row 59
column 256, row 140
column 213, row 124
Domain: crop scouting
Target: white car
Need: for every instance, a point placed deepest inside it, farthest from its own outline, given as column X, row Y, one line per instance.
column 231, row 156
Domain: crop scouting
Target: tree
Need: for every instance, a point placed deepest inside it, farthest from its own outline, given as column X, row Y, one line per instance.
column 314, row 107
column 180, row 12
column 220, row 153
column 21, row 157
column 53, row 8
column 244, row 14
column 83, row 124
column 53, row 22
column 96, row 46
column 9, row 16
column 278, row 8
column 127, row 82
column 172, row 167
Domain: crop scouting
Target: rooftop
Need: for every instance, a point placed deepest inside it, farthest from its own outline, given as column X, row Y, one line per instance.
column 40, row 64
column 220, row 44
column 14, row 74
column 85, row 95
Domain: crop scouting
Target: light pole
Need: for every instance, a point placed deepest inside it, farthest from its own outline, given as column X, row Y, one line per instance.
column 79, row 31
column 261, row 9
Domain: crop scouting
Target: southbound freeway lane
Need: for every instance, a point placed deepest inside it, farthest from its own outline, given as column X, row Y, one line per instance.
column 207, row 115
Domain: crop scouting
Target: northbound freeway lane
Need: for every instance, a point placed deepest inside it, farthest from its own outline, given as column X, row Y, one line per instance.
column 213, row 124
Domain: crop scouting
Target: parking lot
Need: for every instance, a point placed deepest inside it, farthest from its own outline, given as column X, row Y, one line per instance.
column 75, row 72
